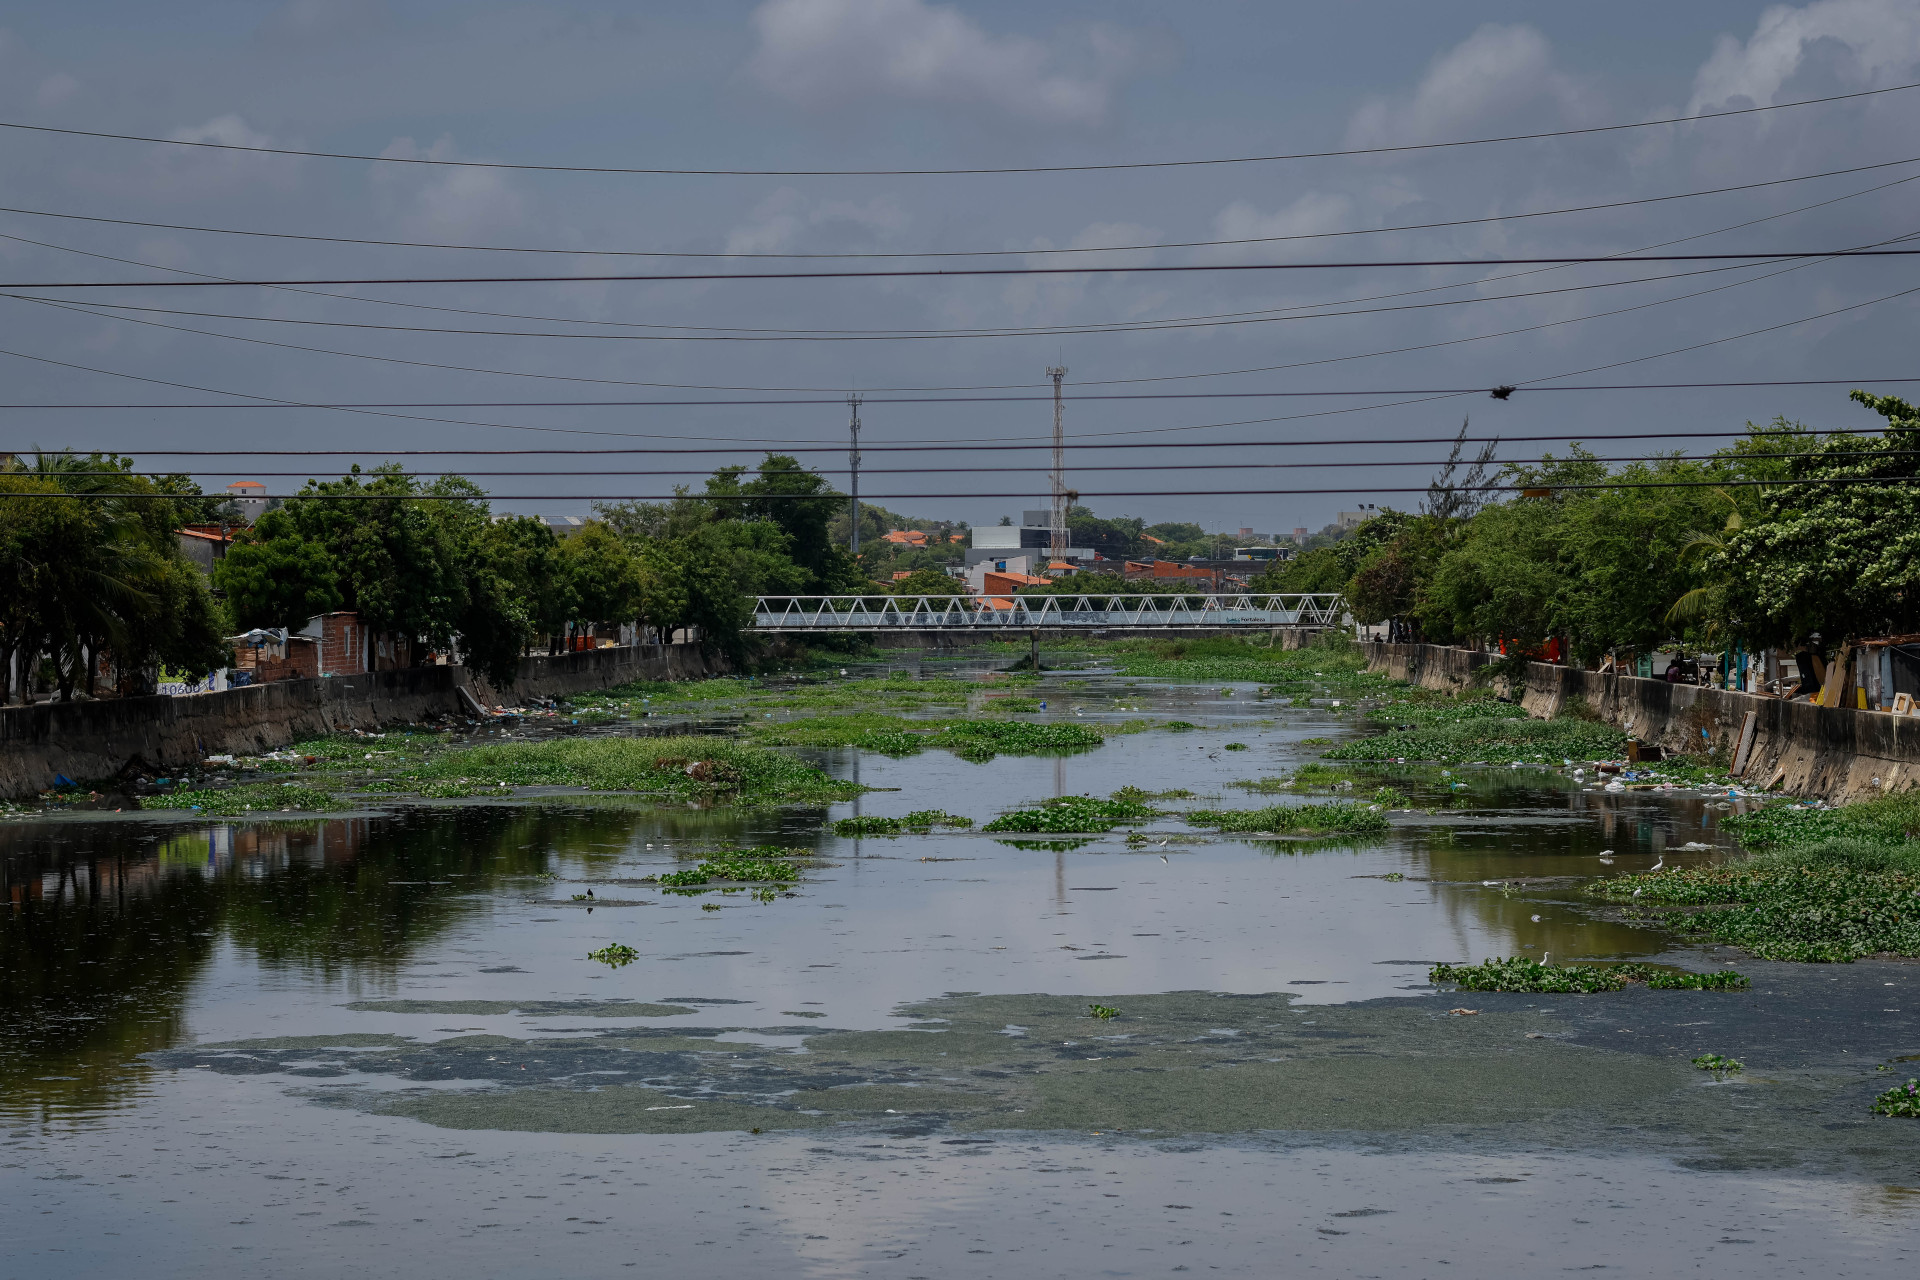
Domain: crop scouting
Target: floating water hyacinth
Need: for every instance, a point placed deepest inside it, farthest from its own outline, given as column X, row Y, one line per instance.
column 1901, row 1100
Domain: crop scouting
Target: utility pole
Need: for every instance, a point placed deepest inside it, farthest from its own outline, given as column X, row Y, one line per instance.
column 853, row 460
column 1058, row 541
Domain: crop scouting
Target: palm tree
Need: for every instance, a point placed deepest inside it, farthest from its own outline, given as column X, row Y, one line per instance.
column 1703, row 601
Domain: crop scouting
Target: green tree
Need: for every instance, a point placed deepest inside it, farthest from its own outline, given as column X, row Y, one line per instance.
column 100, row 572
column 604, row 575
column 1116, row 539
column 400, row 558
column 929, row 582
column 801, row 505
column 531, row 575
column 1838, row 551
column 273, row 577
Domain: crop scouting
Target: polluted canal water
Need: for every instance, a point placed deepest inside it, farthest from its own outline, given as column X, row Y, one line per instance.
column 375, row 1042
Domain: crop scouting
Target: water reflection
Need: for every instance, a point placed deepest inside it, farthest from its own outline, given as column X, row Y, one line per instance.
column 108, row 926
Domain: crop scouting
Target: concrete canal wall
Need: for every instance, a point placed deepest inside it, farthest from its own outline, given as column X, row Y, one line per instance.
column 89, row 741
column 1828, row 753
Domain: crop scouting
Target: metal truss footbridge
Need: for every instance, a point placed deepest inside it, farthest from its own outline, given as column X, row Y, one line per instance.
column 1144, row 612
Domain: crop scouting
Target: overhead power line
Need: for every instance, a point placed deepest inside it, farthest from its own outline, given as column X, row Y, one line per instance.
column 1025, row 493
column 1499, row 392
column 956, row 468
column 658, row 171
column 697, row 333
column 420, row 306
column 957, row 446
column 364, row 241
column 902, row 273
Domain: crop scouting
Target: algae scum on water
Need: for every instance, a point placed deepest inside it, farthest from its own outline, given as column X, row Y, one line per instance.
column 1149, row 1066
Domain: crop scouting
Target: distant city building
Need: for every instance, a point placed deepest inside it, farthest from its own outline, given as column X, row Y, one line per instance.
column 996, row 543
column 1354, row 519
column 250, row 496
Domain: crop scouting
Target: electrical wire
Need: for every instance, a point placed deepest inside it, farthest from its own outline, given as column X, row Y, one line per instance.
column 1499, row 393
column 1083, row 382
column 840, row 446
column 426, row 161
column 917, row 273
column 1237, row 465
column 354, row 355
column 950, row 253
column 891, row 335
column 916, row 497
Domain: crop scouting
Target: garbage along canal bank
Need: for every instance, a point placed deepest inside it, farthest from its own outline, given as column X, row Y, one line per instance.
column 1119, row 1034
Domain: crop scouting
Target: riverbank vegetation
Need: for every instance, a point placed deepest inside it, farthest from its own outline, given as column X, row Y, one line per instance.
column 1486, row 733
column 1823, row 885
column 1787, row 531
column 96, row 596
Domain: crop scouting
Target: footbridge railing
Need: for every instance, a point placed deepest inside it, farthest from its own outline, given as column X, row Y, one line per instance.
column 1143, row 612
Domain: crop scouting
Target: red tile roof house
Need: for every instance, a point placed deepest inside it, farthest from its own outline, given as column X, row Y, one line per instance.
column 997, row 589
column 203, row 544
column 251, row 497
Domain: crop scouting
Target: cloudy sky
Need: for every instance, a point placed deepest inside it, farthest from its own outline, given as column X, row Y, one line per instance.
column 913, row 84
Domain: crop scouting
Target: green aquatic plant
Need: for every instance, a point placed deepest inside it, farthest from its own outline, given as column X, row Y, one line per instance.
column 1179, row 726
column 868, row 826
column 1496, row 739
column 1235, row 746
column 1048, row 846
column 1901, row 1100
column 1136, row 794
column 761, row 863
column 1104, row 1012
column 920, row 820
column 1719, row 1064
column 1391, row 798
column 1517, row 973
column 968, row 739
column 697, row 768
column 983, row 739
column 1801, row 912
column 1427, row 709
column 1218, row 659
column 925, row 819
column 250, row 798
column 1878, row 834
column 1338, row 817
column 1073, row 814
column 615, row 955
